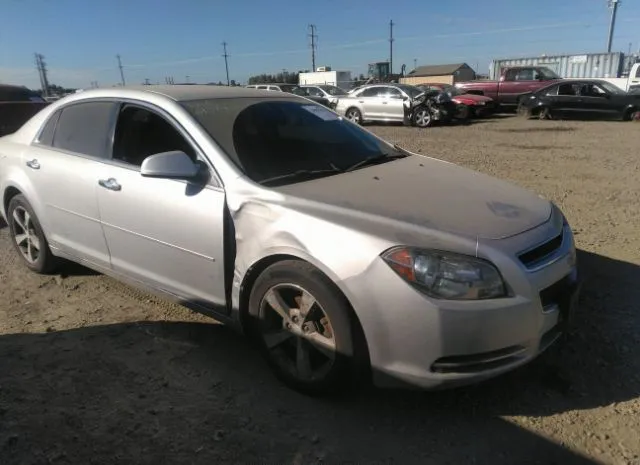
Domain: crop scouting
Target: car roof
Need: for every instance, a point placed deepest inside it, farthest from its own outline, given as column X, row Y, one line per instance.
column 179, row 93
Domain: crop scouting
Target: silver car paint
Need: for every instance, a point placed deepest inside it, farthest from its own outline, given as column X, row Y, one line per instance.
column 340, row 227
column 378, row 108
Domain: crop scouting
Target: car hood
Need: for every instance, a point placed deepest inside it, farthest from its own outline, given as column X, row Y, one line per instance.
column 429, row 193
column 471, row 98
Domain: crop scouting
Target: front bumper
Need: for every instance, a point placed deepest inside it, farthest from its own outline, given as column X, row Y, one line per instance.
column 428, row 343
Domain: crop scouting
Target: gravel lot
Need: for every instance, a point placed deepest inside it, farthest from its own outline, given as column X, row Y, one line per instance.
column 92, row 371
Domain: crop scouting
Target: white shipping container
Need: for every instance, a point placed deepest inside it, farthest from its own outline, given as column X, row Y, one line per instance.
column 334, row 78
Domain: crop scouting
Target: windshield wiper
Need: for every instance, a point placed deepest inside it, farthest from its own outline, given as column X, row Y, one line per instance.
column 303, row 174
column 376, row 160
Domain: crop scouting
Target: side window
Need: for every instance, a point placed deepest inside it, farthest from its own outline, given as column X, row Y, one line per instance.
column 369, row 92
column 390, row 92
column 525, row 75
column 261, row 87
column 49, row 128
column 510, row 75
column 140, row 133
column 314, row 91
column 84, row 128
column 638, row 73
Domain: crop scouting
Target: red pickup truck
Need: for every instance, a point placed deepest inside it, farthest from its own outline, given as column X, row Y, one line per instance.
column 513, row 84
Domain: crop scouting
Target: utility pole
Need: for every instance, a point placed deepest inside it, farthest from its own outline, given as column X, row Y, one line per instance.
column 121, row 71
column 391, row 47
column 226, row 61
column 146, row 82
column 187, row 78
column 415, row 63
column 42, row 70
column 313, row 36
column 613, row 4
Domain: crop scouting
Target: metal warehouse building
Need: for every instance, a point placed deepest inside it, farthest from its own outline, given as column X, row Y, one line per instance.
column 591, row 65
column 442, row 74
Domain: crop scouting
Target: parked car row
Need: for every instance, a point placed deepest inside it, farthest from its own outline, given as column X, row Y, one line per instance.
column 582, row 98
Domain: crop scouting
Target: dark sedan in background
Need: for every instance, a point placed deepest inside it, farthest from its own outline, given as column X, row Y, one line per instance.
column 582, row 98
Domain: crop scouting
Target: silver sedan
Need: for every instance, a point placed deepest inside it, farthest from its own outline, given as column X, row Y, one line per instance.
column 345, row 257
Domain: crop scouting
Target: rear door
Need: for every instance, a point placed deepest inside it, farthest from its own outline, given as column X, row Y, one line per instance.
column 63, row 165
column 166, row 233
column 371, row 102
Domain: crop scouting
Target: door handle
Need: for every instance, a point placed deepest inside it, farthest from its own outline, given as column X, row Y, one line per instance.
column 384, row 103
column 110, row 184
column 33, row 164
column 360, row 101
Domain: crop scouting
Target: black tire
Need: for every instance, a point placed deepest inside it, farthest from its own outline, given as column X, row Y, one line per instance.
column 20, row 225
column 463, row 112
column 422, row 117
column 632, row 115
column 544, row 113
column 340, row 375
column 354, row 115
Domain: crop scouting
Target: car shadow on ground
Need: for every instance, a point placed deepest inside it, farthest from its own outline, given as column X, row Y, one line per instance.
column 160, row 392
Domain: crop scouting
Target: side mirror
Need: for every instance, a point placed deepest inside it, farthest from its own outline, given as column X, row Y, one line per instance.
column 172, row 165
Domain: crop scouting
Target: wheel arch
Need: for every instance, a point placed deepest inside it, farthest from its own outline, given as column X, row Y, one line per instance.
column 260, row 265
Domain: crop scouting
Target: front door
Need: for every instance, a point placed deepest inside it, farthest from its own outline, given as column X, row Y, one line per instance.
column 392, row 104
column 63, row 164
column 164, row 232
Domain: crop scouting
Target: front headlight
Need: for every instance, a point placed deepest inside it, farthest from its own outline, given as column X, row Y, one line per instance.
column 446, row 275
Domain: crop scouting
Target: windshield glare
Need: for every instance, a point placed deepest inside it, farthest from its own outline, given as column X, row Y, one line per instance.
column 271, row 137
column 333, row 90
column 547, row 73
column 293, row 89
column 612, row 88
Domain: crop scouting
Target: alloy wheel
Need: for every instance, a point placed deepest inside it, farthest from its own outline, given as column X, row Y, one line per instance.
column 26, row 236
column 354, row 116
column 423, row 118
column 297, row 332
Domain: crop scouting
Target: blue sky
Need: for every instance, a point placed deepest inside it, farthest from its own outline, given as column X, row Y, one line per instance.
column 80, row 39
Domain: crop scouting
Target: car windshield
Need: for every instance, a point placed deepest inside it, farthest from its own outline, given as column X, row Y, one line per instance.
column 411, row 91
column 273, row 137
column 293, row 89
column 546, row 73
column 333, row 90
column 612, row 88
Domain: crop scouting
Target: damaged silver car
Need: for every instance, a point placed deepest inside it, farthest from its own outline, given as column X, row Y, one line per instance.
column 345, row 258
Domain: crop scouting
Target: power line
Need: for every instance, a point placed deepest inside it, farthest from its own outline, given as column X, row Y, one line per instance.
column 226, row 61
column 613, row 4
column 391, row 47
column 313, row 36
column 121, row 71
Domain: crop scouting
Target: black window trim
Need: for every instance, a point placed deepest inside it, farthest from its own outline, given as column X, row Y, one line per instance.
column 215, row 179
column 36, row 141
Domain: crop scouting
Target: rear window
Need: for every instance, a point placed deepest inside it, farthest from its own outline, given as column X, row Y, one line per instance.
column 267, row 138
column 18, row 94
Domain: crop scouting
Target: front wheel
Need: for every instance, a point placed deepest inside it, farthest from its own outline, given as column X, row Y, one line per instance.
column 463, row 112
column 545, row 113
column 422, row 117
column 354, row 115
column 303, row 327
column 28, row 238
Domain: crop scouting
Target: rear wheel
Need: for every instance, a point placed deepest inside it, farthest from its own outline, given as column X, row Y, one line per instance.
column 28, row 237
column 303, row 327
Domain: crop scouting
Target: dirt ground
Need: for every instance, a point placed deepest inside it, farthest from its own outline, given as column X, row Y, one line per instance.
column 92, row 371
